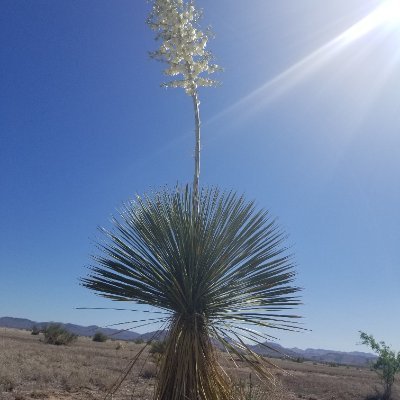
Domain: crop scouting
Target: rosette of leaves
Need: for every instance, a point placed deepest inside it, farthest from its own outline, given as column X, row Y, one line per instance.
column 221, row 271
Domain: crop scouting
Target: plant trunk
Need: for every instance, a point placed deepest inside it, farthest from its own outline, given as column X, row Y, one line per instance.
column 189, row 369
column 196, row 106
column 387, row 395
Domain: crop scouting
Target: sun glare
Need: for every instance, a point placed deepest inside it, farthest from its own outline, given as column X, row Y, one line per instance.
column 386, row 16
column 391, row 12
column 383, row 20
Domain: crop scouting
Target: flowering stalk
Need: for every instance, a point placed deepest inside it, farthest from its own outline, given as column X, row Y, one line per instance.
column 196, row 178
column 183, row 49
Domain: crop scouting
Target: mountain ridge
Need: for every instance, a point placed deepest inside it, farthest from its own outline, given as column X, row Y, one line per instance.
column 269, row 349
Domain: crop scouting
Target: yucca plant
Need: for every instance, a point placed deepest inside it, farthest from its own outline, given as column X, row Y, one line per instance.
column 219, row 272
column 217, row 266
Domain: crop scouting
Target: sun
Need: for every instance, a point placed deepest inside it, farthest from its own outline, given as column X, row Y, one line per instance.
column 385, row 16
column 390, row 13
column 382, row 22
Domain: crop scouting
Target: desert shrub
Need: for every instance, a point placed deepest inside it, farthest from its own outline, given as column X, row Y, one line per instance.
column 56, row 334
column 149, row 371
column 158, row 347
column 138, row 341
column 99, row 337
column 35, row 330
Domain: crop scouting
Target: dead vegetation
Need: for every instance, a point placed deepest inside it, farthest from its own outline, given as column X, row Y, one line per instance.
column 31, row 369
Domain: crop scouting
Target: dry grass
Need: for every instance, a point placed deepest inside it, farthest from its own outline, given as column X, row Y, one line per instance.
column 30, row 369
column 323, row 382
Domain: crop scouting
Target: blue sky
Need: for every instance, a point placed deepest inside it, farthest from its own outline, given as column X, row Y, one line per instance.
column 306, row 122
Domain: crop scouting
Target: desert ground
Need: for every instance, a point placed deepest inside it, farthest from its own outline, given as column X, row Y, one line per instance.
column 31, row 369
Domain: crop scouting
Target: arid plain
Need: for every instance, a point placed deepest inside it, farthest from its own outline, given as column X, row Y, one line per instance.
column 31, row 369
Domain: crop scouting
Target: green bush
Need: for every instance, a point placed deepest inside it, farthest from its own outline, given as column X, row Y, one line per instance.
column 158, row 347
column 99, row 337
column 56, row 334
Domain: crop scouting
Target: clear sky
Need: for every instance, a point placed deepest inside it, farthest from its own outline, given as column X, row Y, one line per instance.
column 306, row 122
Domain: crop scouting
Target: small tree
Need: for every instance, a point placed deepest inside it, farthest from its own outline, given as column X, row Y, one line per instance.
column 387, row 365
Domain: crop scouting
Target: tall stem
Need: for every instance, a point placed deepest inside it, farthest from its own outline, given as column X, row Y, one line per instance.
column 196, row 106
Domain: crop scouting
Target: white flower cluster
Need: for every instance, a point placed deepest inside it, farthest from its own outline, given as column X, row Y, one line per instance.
column 183, row 44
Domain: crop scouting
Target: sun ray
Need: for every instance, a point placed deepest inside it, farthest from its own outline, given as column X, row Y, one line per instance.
column 385, row 16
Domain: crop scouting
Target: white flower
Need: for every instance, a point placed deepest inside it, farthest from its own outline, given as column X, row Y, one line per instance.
column 183, row 44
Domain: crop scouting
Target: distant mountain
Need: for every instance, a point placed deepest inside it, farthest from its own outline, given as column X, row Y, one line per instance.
column 17, row 323
column 22, row 323
column 154, row 335
column 337, row 357
column 319, row 355
column 271, row 349
column 268, row 349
